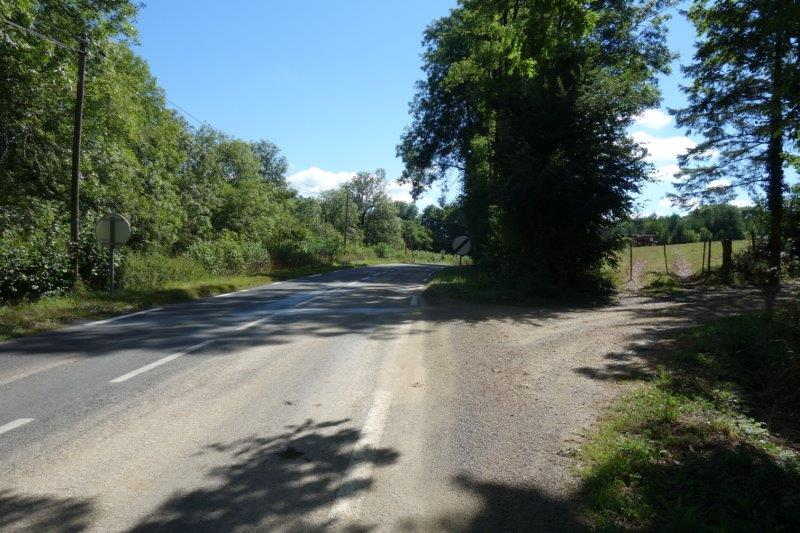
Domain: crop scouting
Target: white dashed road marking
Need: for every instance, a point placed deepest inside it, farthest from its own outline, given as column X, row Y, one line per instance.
column 15, row 424
column 162, row 361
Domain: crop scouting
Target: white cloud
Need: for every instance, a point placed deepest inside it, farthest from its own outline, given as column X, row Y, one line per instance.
column 399, row 191
column 663, row 149
column 665, row 202
column 667, row 173
column 654, row 119
column 721, row 182
column 743, row 202
column 314, row 180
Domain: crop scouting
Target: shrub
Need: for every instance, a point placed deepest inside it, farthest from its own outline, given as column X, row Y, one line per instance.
column 322, row 247
column 751, row 267
column 31, row 269
column 384, row 250
column 152, row 270
column 288, row 254
column 230, row 256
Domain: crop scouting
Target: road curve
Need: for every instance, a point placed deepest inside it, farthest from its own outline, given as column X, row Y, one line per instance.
column 332, row 402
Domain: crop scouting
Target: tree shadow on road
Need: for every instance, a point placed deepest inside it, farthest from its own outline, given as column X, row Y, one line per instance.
column 20, row 512
column 501, row 507
column 272, row 482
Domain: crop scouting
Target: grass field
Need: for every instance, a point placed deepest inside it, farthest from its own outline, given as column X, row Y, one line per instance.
column 653, row 258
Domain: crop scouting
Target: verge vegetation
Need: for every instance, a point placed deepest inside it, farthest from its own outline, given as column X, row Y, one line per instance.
column 157, row 280
column 711, row 443
column 474, row 284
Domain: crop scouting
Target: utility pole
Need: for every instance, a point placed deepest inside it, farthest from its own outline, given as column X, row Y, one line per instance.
column 75, row 212
column 346, row 215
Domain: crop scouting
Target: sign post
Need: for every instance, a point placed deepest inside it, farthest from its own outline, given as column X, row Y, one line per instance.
column 112, row 230
column 462, row 246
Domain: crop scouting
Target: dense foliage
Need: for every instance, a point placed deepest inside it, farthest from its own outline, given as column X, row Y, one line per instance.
column 222, row 204
column 529, row 101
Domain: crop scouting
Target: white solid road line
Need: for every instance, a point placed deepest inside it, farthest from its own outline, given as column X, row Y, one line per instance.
column 190, row 349
column 15, row 424
column 163, row 360
column 249, row 325
column 308, row 301
column 346, row 505
column 115, row 318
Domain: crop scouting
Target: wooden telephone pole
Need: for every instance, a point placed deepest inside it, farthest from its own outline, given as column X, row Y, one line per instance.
column 75, row 209
column 346, row 215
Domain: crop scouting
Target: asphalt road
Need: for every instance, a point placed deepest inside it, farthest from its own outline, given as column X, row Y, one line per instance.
column 334, row 402
column 275, row 396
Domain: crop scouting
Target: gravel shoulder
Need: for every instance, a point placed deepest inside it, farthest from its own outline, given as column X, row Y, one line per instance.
column 508, row 394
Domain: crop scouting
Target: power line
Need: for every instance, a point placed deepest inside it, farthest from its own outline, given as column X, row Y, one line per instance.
column 182, row 110
column 72, row 49
column 40, row 35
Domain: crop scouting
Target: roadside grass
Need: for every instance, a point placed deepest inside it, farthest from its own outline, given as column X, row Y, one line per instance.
column 470, row 284
column 653, row 258
column 473, row 284
column 711, row 443
column 52, row 312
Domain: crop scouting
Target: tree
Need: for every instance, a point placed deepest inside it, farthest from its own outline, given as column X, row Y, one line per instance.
column 444, row 223
column 529, row 101
column 382, row 225
column 743, row 100
column 38, row 88
column 368, row 189
column 406, row 211
column 338, row 208
column 792, row 222
column 416, row 236
column 273, row 164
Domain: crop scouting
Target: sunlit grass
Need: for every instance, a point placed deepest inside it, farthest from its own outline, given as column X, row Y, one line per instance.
column 653, row 256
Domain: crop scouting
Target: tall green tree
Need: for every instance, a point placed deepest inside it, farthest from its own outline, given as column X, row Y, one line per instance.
column 368, row 190
column 529, row 100
column 273, row 164
column 744, row 101
column 38, row 87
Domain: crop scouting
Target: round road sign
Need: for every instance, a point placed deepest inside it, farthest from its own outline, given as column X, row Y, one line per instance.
column 462, row 245
column 113, row 230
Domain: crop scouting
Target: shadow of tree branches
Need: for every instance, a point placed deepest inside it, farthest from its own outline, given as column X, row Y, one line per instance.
column 20, row 512
column 272, row 482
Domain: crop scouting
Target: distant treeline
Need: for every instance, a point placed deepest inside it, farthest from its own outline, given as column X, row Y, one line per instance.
column 723, row 221
column 709, row 222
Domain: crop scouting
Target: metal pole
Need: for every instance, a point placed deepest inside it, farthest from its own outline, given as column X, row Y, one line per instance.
column 76, row 163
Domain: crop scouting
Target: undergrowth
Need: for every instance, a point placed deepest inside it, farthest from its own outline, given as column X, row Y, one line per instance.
column 709, row 445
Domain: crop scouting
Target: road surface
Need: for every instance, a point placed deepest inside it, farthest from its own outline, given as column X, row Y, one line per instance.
column 333, row 402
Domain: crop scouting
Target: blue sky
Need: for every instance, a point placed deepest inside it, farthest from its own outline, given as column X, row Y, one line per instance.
column 329, row 81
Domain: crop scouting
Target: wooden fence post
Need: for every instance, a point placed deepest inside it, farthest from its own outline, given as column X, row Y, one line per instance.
column 727, row 258
column 703, row 259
